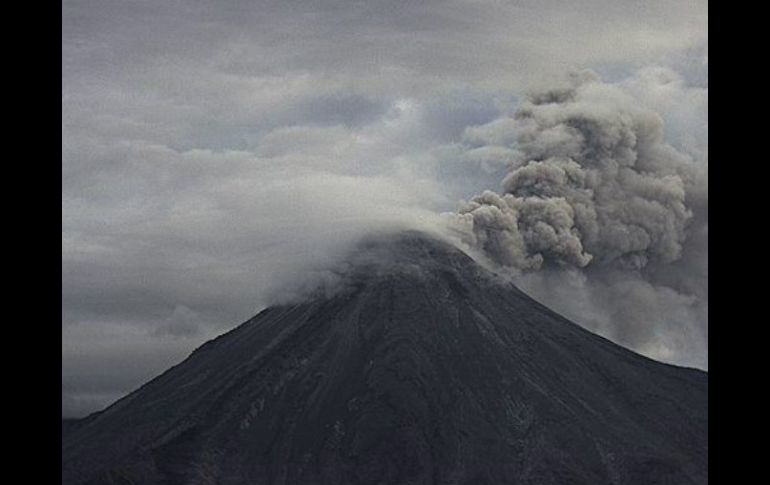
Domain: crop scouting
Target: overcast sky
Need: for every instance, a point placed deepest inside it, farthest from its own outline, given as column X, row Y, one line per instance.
column 215, row 151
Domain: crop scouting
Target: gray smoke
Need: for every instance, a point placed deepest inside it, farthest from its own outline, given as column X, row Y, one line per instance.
column 593, row 182
column 599, row 217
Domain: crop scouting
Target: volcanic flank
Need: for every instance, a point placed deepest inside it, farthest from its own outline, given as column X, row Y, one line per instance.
column 424, row 368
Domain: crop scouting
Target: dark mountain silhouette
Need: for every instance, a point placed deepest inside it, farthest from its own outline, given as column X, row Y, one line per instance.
column 424, row 369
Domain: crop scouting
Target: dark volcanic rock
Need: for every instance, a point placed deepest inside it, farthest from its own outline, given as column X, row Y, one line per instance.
column 68, row 424
column 425, row 370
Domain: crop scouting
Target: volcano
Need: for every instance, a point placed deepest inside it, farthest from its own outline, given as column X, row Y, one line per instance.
column 422, row 368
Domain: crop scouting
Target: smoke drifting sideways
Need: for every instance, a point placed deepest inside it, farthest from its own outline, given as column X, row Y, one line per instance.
column 599, row 218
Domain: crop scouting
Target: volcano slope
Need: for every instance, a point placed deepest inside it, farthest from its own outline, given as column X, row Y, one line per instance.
column 424, row 369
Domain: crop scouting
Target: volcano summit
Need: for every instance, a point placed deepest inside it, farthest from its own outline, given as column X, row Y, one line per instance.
column 425, row 368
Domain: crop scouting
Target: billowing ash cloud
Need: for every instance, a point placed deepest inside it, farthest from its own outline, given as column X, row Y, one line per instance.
column 592, row 182
column 598, row 216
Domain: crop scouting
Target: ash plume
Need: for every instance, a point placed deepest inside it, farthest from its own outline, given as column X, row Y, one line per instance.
column 599, row 217
column 593, row 182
